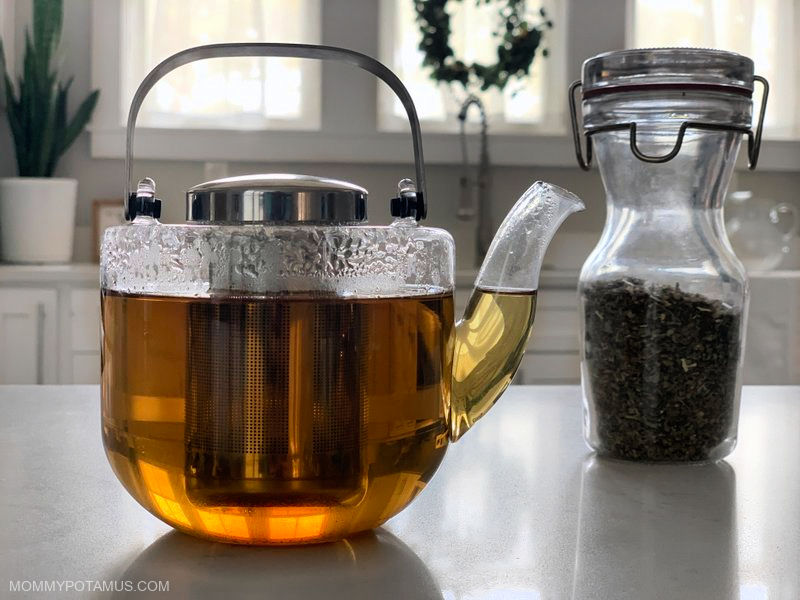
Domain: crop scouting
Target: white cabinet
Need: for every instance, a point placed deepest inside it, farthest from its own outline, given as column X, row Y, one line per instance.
column 553, row 353
column 28, row 336
column 552, row 356
column 84, row 351
column 772, row 353
column 549, row 368
column 49, row 324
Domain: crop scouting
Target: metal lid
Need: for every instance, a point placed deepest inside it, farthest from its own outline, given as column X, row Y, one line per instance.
column 276, row 198
column 668, row 68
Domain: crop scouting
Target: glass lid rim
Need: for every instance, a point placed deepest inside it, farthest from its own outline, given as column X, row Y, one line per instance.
column 277, row 182
column 721, row 70
column 670, row 50
column 675, row 86
column 276, row 198
column 407, row 222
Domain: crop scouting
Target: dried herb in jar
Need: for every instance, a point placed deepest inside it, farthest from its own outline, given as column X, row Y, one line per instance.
column 661, row 366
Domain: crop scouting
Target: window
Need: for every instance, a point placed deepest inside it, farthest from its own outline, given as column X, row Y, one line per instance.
column 226, row 110
column 764, row 30
column 533, row 105
column 231, row 93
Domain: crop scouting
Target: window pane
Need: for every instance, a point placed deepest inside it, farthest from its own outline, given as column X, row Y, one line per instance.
column 242, row 92
column 760, row 29
column 473, row 39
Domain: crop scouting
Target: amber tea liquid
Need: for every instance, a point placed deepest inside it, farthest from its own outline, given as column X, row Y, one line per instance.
column 275, row 420
column 490, row 342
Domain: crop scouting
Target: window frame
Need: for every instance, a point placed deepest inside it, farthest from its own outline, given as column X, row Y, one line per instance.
column 349, row 130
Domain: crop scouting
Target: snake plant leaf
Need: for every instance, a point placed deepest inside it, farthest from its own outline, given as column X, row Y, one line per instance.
column 61, row 104
column 48, row 17
column 11, row 104
column 30, row 100
column 79, row 120
column 3, row 71
column 13, row 113
column 47, row 133
column 60, row 124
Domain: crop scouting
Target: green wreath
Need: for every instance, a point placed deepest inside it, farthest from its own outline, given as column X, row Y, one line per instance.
column 515, row 51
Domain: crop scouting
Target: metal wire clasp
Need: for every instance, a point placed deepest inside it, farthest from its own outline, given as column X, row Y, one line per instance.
column 753, row 140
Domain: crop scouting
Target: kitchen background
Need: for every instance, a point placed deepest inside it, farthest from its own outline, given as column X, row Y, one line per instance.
column 49, row 315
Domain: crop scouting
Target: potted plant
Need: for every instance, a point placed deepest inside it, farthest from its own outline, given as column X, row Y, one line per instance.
column 37, row 210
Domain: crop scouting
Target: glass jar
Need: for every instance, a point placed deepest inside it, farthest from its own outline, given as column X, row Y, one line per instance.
column 662, row 297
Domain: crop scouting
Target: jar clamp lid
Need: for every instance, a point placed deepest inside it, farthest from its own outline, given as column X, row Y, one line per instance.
column 666, row 69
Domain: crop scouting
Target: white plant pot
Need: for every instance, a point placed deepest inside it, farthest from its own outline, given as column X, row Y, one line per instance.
column 37, row 219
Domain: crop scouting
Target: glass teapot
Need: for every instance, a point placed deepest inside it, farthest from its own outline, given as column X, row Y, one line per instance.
column 277, row 371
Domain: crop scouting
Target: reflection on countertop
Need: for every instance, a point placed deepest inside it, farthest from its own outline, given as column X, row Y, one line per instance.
column 646, row 526
column 372, row 565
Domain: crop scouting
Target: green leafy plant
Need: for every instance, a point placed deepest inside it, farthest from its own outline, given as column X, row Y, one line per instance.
column 37, row 114
column 518, row 39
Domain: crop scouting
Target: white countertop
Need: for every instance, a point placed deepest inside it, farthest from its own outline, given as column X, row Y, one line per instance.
column 519, row 510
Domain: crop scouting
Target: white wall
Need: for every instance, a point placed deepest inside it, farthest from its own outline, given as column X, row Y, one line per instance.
column 103, row 178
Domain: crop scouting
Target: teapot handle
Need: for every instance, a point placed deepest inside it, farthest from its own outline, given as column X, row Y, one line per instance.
column 775, row 216
column 184, row 57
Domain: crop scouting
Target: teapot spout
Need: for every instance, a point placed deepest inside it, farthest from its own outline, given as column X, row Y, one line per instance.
column 515, row 256
column 491, row 338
